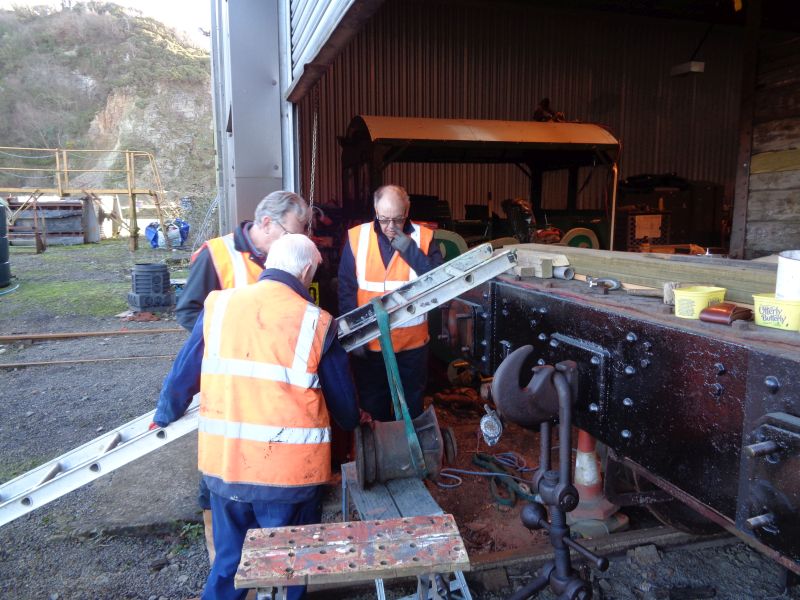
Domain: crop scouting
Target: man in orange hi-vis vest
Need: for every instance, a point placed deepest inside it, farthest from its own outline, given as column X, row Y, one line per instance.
column 234, row 260
column 379, row 257
column 237, row 259
column 271, row 373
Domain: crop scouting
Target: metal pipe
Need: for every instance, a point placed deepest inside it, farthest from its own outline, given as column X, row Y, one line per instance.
column 563, row 273
column 564, row 425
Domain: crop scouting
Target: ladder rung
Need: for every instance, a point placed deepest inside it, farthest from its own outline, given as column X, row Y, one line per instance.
column 54, row 470
column 112, row 443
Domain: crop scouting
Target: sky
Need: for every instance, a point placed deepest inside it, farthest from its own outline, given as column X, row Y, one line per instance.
column 187, row 16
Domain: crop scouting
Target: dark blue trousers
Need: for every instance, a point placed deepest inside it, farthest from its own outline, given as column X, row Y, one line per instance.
column 231, row 520
column 373, row 385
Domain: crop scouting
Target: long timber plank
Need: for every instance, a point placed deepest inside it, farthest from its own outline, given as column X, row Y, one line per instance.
column 741, row 278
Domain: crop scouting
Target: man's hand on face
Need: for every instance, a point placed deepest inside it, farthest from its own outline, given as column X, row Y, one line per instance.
column 401, row 242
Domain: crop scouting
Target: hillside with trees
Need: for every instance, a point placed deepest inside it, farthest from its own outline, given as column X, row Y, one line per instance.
column 95, row 75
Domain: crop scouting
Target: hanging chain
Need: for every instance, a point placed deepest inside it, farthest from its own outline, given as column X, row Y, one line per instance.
column 314, row 134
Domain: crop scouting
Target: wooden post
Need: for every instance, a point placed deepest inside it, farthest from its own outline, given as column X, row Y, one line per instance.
column 116, row 217
column 749, row 73
column 161, row 220
column 58, row 173
column 134, row 226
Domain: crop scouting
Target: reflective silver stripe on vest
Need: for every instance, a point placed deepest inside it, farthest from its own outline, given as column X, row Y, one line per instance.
column 215, row 365
column 265, row 433
column 214, row 338
column 361, row 263
column 305, row 340
column 237, row 261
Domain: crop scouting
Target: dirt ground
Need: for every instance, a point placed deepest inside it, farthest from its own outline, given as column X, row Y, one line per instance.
column 50, row 409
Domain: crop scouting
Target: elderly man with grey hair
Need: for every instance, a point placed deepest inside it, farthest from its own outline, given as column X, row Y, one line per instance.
column 379, row 257
column 231, row 261
column 272, row 372
column 238, row 258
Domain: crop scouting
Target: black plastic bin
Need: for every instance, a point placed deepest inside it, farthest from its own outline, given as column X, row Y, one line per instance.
column 151, row 289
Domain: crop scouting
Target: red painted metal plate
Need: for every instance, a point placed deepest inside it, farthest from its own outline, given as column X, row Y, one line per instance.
column 351, row 551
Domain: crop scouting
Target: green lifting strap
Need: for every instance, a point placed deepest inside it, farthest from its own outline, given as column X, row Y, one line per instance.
column 396, row 388
column 513, row 488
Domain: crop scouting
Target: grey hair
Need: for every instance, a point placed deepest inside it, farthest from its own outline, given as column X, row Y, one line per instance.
column 278, row 204
column 292, row 253
column 397, row 189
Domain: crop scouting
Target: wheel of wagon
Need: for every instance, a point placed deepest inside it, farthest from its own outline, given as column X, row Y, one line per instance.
column 675, row 513
column 450, row 445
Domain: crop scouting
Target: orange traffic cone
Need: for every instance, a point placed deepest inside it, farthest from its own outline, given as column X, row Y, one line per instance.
column 594, row 515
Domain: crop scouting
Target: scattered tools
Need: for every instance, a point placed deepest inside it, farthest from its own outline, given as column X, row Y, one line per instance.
column 605, row 284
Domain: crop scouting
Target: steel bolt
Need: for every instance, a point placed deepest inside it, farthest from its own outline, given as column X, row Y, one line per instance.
column 761, row 449
column 644, row 363
column 772, row 383
column 625, row 433
column 542, row 337
column 484, row 315
column 484, row 358
column 485, row 295
column 627, row 402
column 630, row 370
column 542, row 310
column 595, row 360
column 717, row 389
column 484, row 343
column 593, row 407
column 540, row 362
column 554, row 343
column 631, row 337
column 720, row 368
column 505, row 312
column 760, row 521
column 647, row 345
column 534, row 322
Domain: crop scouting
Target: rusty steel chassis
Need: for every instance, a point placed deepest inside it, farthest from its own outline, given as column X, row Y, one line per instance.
column 707, row 412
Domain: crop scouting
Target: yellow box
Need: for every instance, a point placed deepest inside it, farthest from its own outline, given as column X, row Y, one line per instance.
column 773, row 312
column 690, row 301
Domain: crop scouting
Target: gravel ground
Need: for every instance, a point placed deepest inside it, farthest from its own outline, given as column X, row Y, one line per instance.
column 50, row 410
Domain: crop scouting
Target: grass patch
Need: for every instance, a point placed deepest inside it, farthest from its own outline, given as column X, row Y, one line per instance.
column 64, row 298
column 9, row 472
column 91, row 280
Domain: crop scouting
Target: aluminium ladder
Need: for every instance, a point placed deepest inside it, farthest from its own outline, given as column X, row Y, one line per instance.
column 133, row 440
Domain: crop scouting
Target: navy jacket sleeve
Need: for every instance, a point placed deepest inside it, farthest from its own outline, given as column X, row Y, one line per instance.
column 419, row 261
column 348, row 285
column 337, row 385
column 183, row 380
column 201, row 282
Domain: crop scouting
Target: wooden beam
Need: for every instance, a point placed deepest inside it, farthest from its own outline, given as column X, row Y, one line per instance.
column 746, row 112
column 740, row 278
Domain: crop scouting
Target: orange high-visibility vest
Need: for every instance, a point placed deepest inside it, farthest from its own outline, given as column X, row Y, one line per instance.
column 375, row 279
column 263, row 419
column 234, row 268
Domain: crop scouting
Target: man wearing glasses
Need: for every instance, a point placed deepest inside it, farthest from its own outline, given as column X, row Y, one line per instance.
column 231, row 261
column 381, row 256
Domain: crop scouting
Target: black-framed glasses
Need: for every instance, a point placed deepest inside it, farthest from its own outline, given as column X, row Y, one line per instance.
column 385, row 220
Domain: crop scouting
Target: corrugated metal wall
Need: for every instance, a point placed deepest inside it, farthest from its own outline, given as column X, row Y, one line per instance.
column 496, row 60
column 311, row 22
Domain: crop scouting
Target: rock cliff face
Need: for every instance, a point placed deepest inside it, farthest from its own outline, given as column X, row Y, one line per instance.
column 95, row 76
